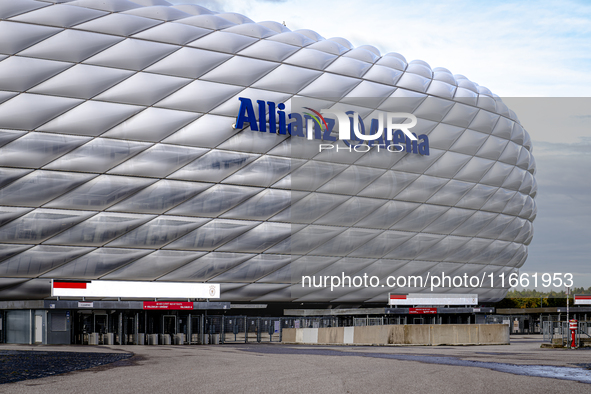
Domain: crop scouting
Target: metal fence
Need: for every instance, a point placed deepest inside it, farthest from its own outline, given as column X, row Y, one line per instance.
column 368, row 321
column 518, row 324
column 219, row 329
column 244, row 329
column 552, row 330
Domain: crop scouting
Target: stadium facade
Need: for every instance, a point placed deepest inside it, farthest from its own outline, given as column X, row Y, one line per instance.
column 119, row 159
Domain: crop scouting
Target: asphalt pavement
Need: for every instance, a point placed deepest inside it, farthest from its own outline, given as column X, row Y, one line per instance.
column 274, row 368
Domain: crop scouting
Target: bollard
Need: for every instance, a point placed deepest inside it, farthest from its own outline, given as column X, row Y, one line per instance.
column 573, row 329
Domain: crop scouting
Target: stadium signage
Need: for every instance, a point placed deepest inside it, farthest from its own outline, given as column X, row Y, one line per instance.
column 167, row 305
column 383, row 132
column 433, row 299
column 422, row 311
column 133, row 289
column 582, row 299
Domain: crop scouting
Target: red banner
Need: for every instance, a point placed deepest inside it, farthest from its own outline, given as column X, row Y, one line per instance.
column 166, row 305
column 422, row 311
column 69, row 285
column 397, row 297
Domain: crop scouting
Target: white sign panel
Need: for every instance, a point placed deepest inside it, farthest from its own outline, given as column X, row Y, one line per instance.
column 123, row 289
column 582, row 299
column 433, row 299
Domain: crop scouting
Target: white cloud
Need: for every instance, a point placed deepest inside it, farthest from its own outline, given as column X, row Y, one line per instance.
column 521, row 49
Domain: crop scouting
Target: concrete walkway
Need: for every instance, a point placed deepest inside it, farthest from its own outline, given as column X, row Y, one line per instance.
column 275, row 368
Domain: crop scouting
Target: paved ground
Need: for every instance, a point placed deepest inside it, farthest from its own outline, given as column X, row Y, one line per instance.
column 17, row 365
column 275, row 368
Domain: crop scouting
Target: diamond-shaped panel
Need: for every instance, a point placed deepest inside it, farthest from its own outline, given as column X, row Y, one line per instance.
column 100, row 101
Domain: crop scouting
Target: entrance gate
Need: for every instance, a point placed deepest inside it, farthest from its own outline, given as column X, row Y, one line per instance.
column 195, row 330
column 113, row 327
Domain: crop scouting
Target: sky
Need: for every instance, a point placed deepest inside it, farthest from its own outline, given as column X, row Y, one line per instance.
column 536, row 55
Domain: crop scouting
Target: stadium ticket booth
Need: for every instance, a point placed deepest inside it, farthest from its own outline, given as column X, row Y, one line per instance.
column 165, row 320
column 164, row 326
column 34, row 326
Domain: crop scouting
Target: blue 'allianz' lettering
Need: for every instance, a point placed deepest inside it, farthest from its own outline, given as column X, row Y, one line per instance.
column 278, row 124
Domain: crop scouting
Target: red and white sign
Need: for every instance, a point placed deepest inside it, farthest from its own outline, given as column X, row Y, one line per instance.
column 582, row 299
column 422, row 311
column 125, row 289
column 433, row 299
column 573, row 324
column 167, row 305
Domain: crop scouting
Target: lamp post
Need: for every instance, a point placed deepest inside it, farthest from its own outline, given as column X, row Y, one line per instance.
column 567, row 311
column 541, row 326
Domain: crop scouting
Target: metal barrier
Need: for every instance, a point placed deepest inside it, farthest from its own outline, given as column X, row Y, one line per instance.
column 234, row 329
column 220, row 329
column 368, row 321
column 244, row 329
column 518, row 324
column 552, row 330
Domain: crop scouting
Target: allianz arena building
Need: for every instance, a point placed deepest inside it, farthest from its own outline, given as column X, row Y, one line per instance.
column 119, row 160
